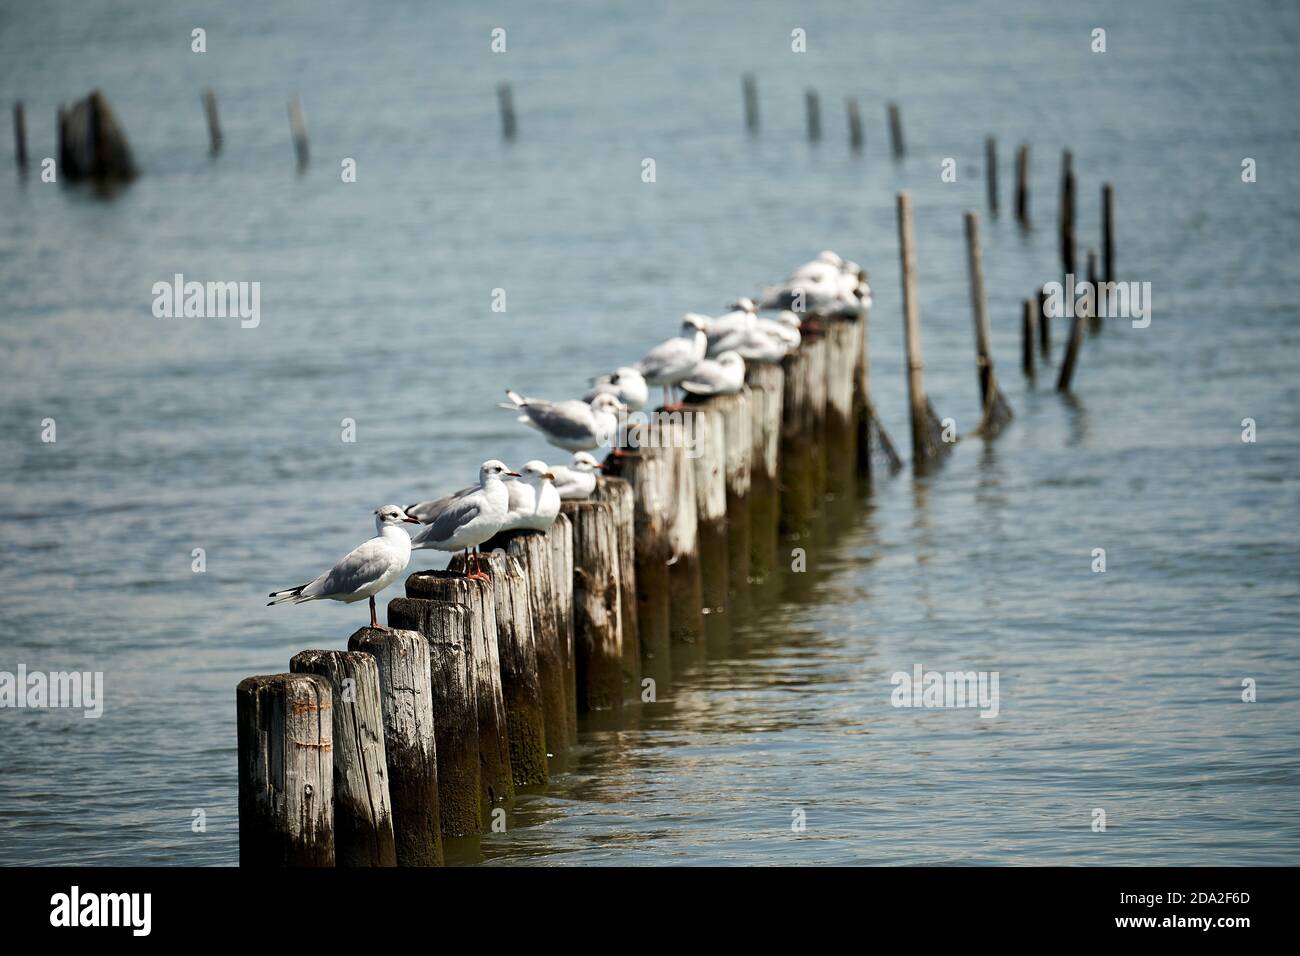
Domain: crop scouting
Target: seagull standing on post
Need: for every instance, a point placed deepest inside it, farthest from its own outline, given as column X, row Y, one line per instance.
column 673, row 360
column 466, row 518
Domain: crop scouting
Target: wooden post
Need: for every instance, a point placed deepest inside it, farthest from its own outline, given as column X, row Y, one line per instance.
column 1022, row 185
column 995, row 411
column 855, row 125
column 1067, row 212
column 1072, row 346
column 766, row 392
column 814, row 110
column 991, row 172
column 298, row 127
column 874, row 446
column 896, row 131
column 797, row 474
column 446, row 630
column 363, row 814
column 20, row 137
column 710, row 464
column 560, row 536
column 750, row 87
column 1027, row 340
column 214, row 123
column 643, row 470
column 598, row 636
column 619, row 494
column 506, row 102
column 1107, row 232
column 1094, row 314
column 736, row 412
column 286, row 771
column 817, row 346
column 685, row 585
column 1044, row 325
column 493, row 737
column 843, row 352
column 92, row 144
column 520, row 684
column 927, row 443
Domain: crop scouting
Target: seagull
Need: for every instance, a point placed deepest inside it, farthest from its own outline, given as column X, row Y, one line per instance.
column 673, row 360
column 827, row 285
column 626, row 384
column 573, row 425
column 534, row 502
column 465, row 518
column 724, row 375
column 368, row 569
column 577, row 480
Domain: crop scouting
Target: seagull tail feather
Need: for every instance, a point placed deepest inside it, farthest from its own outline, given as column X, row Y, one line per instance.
column 287, row 596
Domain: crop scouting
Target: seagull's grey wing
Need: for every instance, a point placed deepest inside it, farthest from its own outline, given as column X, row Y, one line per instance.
column 571, row 420
column 426, row 511
column 364, row 565
column 665, row 356
column 707, row 379
column 458, row 511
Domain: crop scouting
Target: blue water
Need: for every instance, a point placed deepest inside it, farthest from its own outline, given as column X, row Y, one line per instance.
column 1119, row 691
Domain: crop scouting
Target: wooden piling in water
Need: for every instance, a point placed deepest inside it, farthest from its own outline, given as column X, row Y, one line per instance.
column 298, row 129
column 736, row 412
column 875, row 450
column 927, row 442
column 1044, row 325
column 1067, row 212
column 1022, row 185
column 560, row 537
column 214, row 122
column 644, row 470
column 1094, row 313
column 521, row 688
column 812, row 106
column 995, row 410
column 506, row 104
column 20, row 137
column 1107, row 232
column 286, row 771
column 797, row 471
column 619, row 494
column 401, row 659
column 495, row 776
column 896, row 131
column 855, row 124
column 843, row 354
column 363, row 815
column 92, row 144
column 749, row 86
column 446, row 630
column 1027, row 340
column 597, row 629
column 685, row 583
column 710, row 465
column 991, row 172
column 766, row 384
column 1071, row 355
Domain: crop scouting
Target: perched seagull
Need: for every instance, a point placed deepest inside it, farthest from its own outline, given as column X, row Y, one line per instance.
column 724, row 375
column 534, row 502
column 573, row 425
column 577, row 480
column 827, row 285
column 466, row 518
column 785, row 327
column 626, row 384
column 673, row 360
column 367, row 570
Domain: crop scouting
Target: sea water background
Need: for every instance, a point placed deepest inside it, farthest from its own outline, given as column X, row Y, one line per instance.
column 1119, row 690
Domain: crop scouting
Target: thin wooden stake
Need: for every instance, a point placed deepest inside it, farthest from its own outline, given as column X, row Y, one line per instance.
column 298, row 127
column 896, row 131
column 927, row 443
column 1022, row 185
column 1094, row 313
column 214, row 122
column 20, row 137
column 855, row 125
column 1067, row 212
column 1107, row 232
column 991, row 172
column 1044, row 325
column 996, row 412
column 1071, row 355
column 1027, row 340
column 750, row 87
column 813, row 107
column 506, row 103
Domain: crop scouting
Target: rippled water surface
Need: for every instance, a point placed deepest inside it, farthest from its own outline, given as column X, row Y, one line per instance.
column 1119, row 691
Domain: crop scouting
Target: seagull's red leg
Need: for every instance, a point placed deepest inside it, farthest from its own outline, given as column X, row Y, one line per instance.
column 374, row 621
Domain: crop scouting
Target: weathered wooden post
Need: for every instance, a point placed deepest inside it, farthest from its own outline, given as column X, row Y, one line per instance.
column 619, row 494
column 874, row 446
column 1022, row 185
column 710, row 464
column 214, row 123
column 855, row 124
column 797, row 474
column 685, row 585
column 767, row 393
column 298, row 128
column 1044, row 324
column 520, row 683
column 493, row 737
column 750, row 87
column 1072, row 346
column 92, row 144
column 1107, row 232
column 286, row 771
column 817, row 345
column 20, row 137
column 597, row 631
column 1094, row 313
column 447, row 632
column 996, row 412
column 991, row 172
column 844, row 350
column 813, row 108
column 1067, row 212
column 643, row 470
column 927, row 431
column 736, row 412
column 896, row 131
column 363, row 813
column 560, row 536
column 506, row 103
column 1027, row 340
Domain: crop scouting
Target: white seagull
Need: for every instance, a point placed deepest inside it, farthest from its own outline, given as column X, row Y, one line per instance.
column 368, row 568
column 465, row 518
column 626, row 384
column 724, row 375
column 576, row 480
column 673, row 360
column 573, row 425
column 534, row 502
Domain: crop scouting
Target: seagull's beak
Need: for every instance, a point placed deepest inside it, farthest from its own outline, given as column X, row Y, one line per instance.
column 601, row 466
column 409, row 520
column 514, row 474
